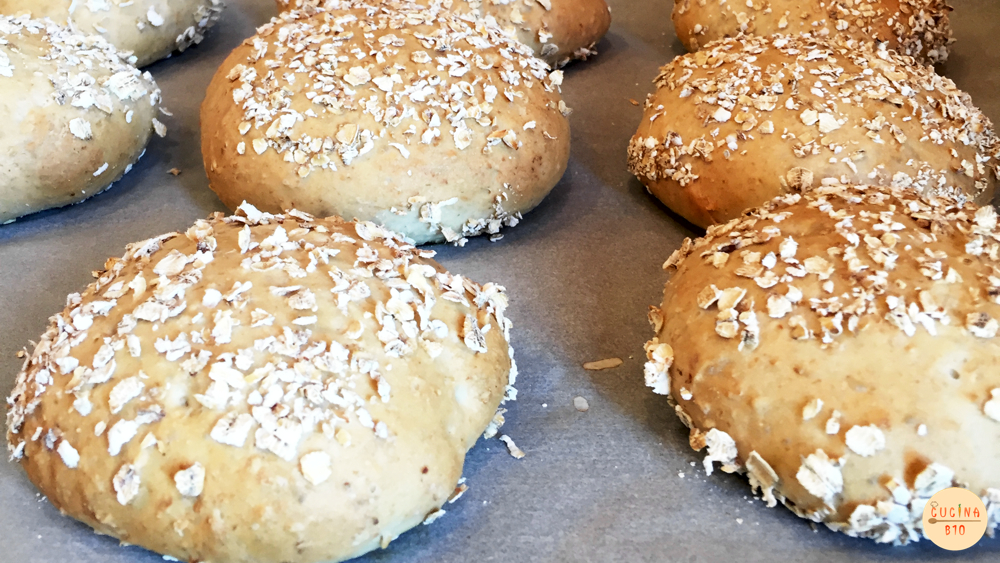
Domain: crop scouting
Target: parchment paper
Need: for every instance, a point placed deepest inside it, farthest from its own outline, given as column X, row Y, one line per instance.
column 615, row 483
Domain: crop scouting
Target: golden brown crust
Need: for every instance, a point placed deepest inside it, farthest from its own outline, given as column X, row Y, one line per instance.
column 76, row 114
column 150, row 29
column 751, row 118
column 841, row 347
column 262, row 388
column 558, row 31
column 445, row 129
column 917, row 28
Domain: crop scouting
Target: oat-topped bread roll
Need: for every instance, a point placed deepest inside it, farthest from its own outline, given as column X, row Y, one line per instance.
column 748, row 119
column 437, row 126
column 558, row 31
column 841, row 348
column 150, row 29
column 918, row 28
column 267, row 388
column 76, row 115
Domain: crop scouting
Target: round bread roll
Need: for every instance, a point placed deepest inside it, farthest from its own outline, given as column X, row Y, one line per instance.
column 76, row 114
column 918, row 28
column 841, row 348
column 750, row 118
column 559, row 31
column 268, row 388
column 407, row 116
column 150, row 29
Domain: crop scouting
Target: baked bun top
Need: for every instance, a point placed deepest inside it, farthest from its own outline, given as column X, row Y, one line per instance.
column 85, row 71
column 77, row 115
column 558, row 31
column 379, row 110
column 841, row 347
column 788, row 113
column 317, row 378
column 391, row 72
column 149, row 29
column 917, row 28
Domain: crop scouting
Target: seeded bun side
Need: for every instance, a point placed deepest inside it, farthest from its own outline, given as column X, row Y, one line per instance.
column 748, row 119
column 77, row 115
column 841, row 348
column 271, row 388
column 450, row 129
column 916, row 28
column 149, row 29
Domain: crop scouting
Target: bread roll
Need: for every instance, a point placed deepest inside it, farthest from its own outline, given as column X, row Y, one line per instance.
column 558, row 31
column 747, row 119
column 840, row 347
column 918, row 28
column 150, row 29
column 437, row 126
column 267, row 388
column 76, row 115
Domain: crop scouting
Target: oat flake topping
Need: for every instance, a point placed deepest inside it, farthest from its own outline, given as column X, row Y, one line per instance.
column 338, row 60
column 825, row 270
column 267, row 386
column 920, row 27
column 116, row 88
column 820, row 84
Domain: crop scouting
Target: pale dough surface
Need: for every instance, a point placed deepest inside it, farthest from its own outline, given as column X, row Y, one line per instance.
column 76, row 116
column 150, row 29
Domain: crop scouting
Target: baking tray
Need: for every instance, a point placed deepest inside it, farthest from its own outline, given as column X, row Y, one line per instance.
column 615, row 483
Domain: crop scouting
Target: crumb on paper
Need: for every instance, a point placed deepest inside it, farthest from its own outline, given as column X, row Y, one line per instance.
column 430, row 518
column 174, row 171
column 459, row 491
column 515, row 451
column 495, row 424
column 581, row 404
column 633, row 101
column 603, row 364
